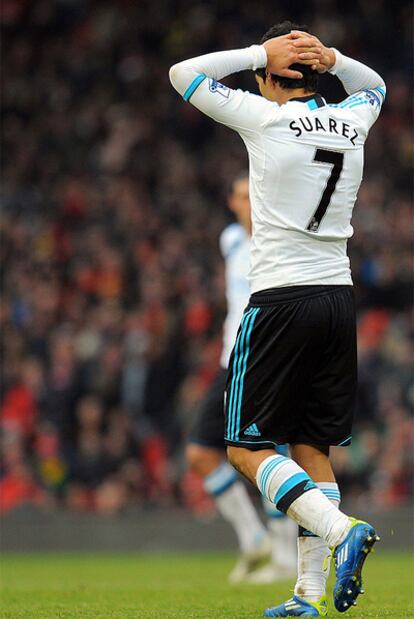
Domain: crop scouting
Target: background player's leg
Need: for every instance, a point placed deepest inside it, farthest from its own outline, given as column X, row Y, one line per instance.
column 283, row 533
column 234, row 504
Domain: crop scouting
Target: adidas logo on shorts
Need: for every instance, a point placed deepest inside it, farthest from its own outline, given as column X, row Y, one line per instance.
column 252, row 430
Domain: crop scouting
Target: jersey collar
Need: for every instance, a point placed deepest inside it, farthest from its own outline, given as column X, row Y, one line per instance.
column 313, row 101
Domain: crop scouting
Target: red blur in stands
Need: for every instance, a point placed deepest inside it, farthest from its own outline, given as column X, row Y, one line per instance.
column 113, row 200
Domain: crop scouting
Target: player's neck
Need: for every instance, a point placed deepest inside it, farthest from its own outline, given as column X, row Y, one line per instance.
column 284, row 95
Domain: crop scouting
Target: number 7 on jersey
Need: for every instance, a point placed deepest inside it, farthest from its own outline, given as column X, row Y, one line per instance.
column 336, row 160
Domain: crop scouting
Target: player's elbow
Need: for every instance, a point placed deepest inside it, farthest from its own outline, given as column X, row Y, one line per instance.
column 174, row 75
column 181, row 75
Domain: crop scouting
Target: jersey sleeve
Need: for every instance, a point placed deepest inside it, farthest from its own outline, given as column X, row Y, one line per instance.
column 241, row 111
column 366, row 104
column 364, row 85
column 230, row 239
column 197, row 80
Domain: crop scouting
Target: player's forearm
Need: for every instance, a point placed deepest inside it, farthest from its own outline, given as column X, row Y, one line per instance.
column 217, row 65
column 354, row 75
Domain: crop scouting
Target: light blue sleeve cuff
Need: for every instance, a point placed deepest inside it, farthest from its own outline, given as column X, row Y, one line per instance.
column 193, row 86
column 381, row 90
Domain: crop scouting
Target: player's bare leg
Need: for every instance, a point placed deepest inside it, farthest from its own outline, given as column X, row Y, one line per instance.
column 235, row 505
column 282, row 480
column 314, row 459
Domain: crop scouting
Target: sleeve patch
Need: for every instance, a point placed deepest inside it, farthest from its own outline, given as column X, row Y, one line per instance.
column 373, row 98
column 363, row 97
column 221, row 89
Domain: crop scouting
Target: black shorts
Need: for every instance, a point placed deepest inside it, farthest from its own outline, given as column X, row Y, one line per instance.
column 208, row 428
column 293, row 370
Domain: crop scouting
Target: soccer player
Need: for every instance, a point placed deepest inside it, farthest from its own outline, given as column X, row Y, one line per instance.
column 205, row 450
column 293, row 367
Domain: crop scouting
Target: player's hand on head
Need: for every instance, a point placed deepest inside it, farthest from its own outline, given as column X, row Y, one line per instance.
column 283, row 51
column 301, row 40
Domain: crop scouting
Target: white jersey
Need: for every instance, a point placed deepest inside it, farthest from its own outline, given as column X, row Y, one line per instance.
column 305, row 164
column 235, row 247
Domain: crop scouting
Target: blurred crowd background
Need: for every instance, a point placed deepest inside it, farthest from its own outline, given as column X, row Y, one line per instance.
column 113, row 197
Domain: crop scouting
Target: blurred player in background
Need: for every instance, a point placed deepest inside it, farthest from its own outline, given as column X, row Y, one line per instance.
column 293, row 368
column 205, row 450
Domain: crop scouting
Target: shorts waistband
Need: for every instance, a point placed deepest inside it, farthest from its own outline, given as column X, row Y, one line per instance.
column 271, row 296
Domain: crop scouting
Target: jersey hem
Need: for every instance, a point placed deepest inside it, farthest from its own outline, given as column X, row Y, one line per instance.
column 264, row 284
column 288, row 294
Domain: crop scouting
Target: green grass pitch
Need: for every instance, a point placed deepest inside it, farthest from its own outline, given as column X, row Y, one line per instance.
column 173, row 586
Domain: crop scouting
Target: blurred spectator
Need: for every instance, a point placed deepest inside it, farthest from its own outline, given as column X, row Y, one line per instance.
column 112, row 201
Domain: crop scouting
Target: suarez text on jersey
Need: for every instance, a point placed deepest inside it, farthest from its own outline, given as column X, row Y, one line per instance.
column 309, row 124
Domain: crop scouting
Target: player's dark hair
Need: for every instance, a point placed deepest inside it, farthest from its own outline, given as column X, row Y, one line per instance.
column 309, row 81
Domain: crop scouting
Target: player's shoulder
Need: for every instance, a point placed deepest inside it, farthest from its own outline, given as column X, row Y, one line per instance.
column 367, row 99
column 253, row 99
column 231, row 238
